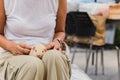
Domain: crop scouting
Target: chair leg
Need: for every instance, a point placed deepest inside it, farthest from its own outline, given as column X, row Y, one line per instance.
column 117, row 48
column 87, row 62
column 86, row 53
column 118, row 58
column 88, row 58
column 73, row 56
column 89, row 53
column 93, row 54
column 102, row 60
column 96, row 66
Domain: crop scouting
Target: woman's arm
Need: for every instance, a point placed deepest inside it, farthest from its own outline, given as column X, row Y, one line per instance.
column 7, row 44
column 3, row 41
column 60, row 26
column 61, row 18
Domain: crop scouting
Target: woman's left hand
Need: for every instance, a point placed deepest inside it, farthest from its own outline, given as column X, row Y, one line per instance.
column 53, row 45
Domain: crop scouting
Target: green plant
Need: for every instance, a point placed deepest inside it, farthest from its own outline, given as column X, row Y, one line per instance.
column 117, row 37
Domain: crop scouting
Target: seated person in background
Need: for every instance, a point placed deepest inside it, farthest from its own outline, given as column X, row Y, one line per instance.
column 25, row 23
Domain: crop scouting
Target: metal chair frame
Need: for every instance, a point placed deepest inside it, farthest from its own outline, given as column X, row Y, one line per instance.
column 80, row 19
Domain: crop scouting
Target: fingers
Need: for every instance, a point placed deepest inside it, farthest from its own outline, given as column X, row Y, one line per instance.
column 23, row 48
column 49, row 46
column 57, row 47
column 23, row 45
column 53, row 45
column 18, row 48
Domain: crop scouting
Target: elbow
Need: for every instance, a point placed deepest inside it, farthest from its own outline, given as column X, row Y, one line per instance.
column 1, row 32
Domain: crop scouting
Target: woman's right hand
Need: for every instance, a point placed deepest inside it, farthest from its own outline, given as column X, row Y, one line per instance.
column 18, row 48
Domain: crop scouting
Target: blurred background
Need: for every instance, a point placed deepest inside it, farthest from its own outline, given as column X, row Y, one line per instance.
column 93, row 35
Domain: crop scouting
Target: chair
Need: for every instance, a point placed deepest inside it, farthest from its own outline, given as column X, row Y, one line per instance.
column 79, row 24
column 117, row 1
column 115, row 45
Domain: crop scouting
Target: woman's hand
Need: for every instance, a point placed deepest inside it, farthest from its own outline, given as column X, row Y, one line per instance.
column 18, row 48
column 53, row 45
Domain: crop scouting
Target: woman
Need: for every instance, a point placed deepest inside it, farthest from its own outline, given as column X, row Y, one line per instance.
column 25, row 23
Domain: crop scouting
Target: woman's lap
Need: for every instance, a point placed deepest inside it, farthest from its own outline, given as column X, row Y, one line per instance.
column 16, row 67
column 59, row 63
column 10, row 65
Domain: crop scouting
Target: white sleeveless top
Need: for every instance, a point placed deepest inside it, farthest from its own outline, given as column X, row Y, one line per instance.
column 30, row 21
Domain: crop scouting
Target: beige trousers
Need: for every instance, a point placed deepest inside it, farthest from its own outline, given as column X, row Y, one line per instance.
column 53, row 66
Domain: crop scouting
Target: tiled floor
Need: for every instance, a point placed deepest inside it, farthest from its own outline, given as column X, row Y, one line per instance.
column 110, row 61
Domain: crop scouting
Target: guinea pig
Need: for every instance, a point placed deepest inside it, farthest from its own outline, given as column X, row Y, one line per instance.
column 37, row 50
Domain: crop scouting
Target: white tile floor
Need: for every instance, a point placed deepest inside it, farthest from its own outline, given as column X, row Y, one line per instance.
column 110, row 61
column 78, row 74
